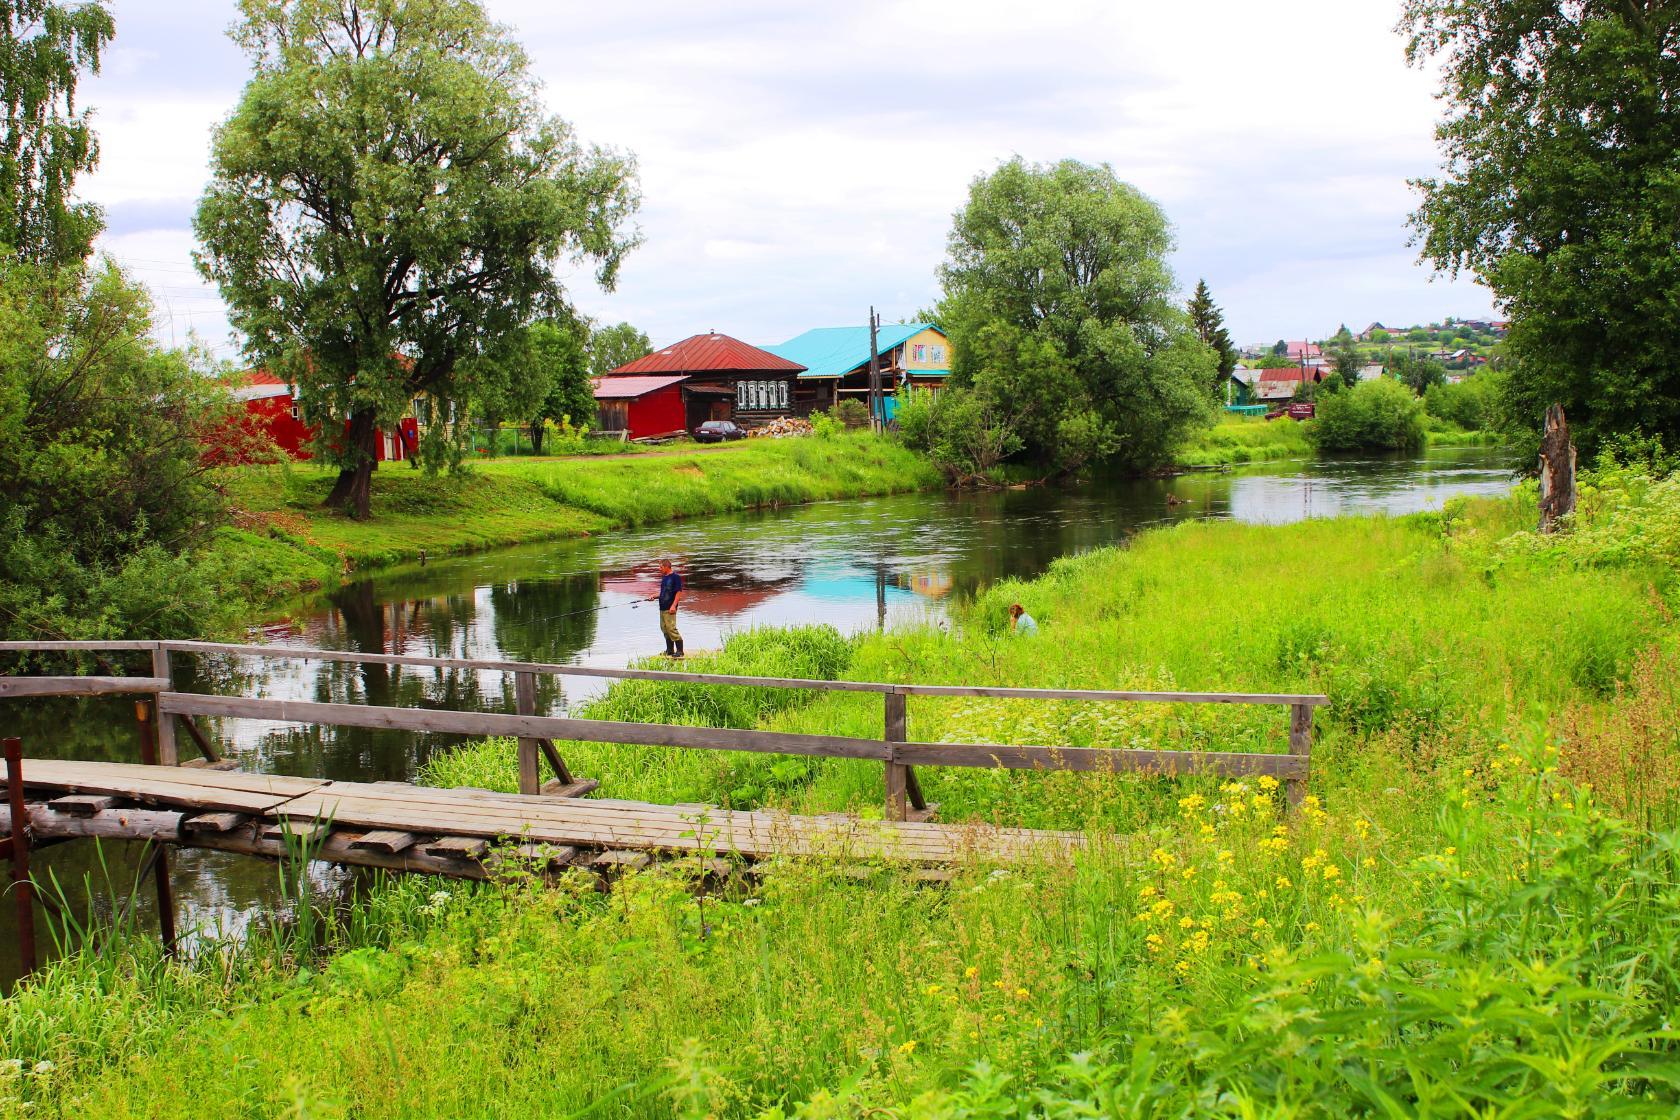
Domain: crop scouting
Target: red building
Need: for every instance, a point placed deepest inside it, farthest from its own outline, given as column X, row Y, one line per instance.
column 271, row 409
column 706, row 377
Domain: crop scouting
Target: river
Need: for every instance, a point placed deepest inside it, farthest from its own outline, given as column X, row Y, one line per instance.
column 853, row 564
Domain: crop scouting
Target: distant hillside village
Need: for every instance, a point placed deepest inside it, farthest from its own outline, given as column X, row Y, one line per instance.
column 1272, row 374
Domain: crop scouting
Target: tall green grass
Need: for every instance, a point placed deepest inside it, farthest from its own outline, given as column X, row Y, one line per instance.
column 1472, row 915
column 1245, row 439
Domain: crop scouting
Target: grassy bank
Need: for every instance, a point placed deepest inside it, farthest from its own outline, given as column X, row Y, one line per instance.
column 284, row 540
column 1471, row 916
column 1247, row 439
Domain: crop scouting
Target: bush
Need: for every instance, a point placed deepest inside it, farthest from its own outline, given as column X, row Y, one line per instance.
column 963, row 434
column 852, row 413
column 1471, row 404
column 1379, row 415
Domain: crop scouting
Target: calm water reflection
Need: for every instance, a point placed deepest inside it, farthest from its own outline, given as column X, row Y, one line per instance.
column 853, row 564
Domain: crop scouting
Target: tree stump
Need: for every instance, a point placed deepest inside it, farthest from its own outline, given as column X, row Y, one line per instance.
column 1557, row 470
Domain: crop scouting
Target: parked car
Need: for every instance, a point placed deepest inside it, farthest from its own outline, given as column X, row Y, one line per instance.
column 717, row 431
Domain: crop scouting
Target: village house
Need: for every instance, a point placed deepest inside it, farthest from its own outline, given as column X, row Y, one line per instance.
column 704, row 377
column 1366, row 334
column 271, row 408
column 917, row 355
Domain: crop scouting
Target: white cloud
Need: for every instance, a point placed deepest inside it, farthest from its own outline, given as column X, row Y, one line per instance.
column 801, row 162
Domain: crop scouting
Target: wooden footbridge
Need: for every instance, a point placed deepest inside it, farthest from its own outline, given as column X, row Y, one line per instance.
column 207, row 803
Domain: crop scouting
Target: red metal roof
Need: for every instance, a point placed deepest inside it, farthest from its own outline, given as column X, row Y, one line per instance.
column 709, row 353
column 620, row 388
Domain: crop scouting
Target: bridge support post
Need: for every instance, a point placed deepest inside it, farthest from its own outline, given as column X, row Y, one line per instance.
column 23, row 888
column 1300, row 743
column 525, row 702
column 898, row 774
column 150, row 720
column 167, row 753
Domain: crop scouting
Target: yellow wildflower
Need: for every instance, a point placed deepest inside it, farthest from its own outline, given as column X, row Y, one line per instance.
column 907, row 1047
column 970, row 972
column 1268, row 783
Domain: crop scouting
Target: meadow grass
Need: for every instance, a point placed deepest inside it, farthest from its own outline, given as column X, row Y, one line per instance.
column 284, row 541
column 1471, row 915
column 1245, row 439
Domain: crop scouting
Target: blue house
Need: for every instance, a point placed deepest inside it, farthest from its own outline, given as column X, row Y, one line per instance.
column 912, row 354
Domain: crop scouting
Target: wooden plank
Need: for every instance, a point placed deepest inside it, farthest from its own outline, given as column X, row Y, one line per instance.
column 458, row 847
column 83, row 804
column 180, row 786
column 1280, row 766
column 1311, row 700
column 385, row 840
column 336, row 848
column 215, row 822
column 71, row 646
column 307, row 831
column 546, row 855
column 555, row 788
column 11, row 687
column 513, row 726
column 620, row 860
column 209, row 764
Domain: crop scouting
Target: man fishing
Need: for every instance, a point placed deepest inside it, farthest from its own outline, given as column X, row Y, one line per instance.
column 670, row 593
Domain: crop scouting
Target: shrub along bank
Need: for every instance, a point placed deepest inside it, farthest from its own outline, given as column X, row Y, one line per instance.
column 1471, row 915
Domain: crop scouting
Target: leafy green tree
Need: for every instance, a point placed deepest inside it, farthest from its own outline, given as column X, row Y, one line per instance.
column 1058, row 302
column 614, row 346
column 1417, row 372
column 1280, row 348
column 1209, row 324
column 1471, row 404
column 105, row 486
column 44, row 141
column 1346, row 360
column 388, row 206
column 1562, row 154
column 560, row 346
column 1380, row 335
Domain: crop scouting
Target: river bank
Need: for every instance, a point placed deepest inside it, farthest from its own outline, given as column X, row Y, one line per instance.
column 1236, row 441
column 284, row 542
column 1453, row 914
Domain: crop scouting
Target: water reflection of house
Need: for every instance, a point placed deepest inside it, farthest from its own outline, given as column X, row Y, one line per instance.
column 935, row 583
column 716, row 593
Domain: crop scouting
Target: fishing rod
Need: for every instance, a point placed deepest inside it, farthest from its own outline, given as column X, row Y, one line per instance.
column 587, row 610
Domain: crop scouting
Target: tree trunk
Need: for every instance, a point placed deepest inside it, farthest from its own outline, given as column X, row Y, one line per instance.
column 1557, row 470
column 353, row 492
column 536, row 438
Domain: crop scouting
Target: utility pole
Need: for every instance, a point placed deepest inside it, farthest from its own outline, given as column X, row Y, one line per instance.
column 876, row 420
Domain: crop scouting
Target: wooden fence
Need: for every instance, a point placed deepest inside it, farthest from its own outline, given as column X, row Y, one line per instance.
column 536, row 734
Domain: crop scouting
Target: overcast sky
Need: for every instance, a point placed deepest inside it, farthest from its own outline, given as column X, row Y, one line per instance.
column 801, row 161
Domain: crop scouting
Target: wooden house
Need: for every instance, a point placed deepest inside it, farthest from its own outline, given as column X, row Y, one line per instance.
column 271, row 408
column 704, row 377
column 917, row 355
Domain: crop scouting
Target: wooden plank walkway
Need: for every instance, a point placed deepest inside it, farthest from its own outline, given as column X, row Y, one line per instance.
column 363, row 817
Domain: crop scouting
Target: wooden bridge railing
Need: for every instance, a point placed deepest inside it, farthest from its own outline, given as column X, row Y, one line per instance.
column 536, row 733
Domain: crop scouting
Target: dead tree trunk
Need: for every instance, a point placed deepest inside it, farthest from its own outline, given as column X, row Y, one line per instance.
column 353, row 492
column 1557, row 470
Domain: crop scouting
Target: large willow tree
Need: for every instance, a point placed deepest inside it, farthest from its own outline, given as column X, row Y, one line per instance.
column 388, row 206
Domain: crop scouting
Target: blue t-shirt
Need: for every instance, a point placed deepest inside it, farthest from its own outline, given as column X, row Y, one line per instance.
column 1025, row 624
column 669, row 585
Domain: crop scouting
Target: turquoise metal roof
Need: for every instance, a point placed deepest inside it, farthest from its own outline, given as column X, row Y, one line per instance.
column 835, row 351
